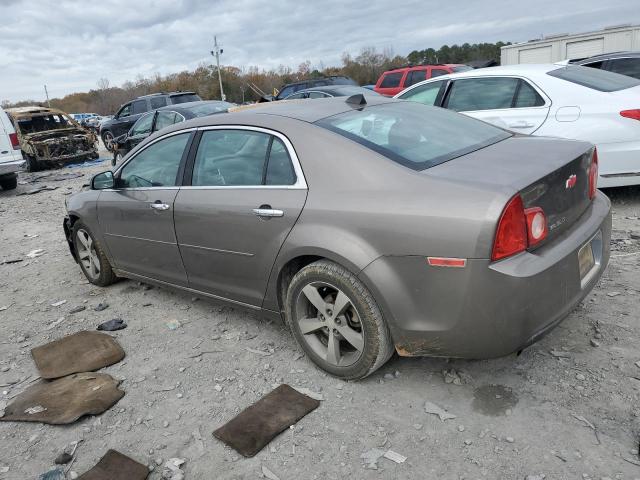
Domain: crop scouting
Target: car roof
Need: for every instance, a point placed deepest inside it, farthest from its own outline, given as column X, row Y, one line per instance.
column 187, row 105
column 318, row 79
column 426, row 65
column 32, row 110
column 338, row 89
column 607, row 56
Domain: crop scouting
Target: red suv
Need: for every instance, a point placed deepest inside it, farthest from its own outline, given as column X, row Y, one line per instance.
column 394, row 81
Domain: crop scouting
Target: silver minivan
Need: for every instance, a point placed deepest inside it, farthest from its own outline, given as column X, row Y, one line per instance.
column 11, row 161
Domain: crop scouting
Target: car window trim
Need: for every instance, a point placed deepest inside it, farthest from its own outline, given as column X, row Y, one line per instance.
column 179, row 175
column 300, row 183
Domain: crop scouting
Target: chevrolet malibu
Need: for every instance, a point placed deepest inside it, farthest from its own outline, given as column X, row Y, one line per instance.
column 369, row 225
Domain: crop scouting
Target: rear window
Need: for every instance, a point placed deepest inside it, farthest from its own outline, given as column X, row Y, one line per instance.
column 600, row 80
column 414, row 135
column 461, row 68
column 184, row 98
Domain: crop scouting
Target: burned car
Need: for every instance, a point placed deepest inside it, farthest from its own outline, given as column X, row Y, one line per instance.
column 50, row 137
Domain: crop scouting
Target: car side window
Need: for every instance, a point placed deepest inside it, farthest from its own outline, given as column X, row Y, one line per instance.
column 391, row 80
column 487, row 93
column 427, row 94
column 279, row 167
column 593, row 64
column 296, row 96
column 286, row 91
column 230, row 157
column 139, row 106
column 143, row 125
column 437, row 72
column 158, row 102
column 164, row 119
column 625, row 66
column 124, row 111
column 317, row 95
column 414, row 77
column 156, row 165
column 527, row 96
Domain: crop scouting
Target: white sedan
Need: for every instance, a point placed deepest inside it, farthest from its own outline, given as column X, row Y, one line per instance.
column 563, row 101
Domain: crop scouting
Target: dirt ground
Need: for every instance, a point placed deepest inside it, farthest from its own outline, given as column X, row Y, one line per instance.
column 516, row 417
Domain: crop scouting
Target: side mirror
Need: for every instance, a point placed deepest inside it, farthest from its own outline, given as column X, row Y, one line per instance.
column 102, row 181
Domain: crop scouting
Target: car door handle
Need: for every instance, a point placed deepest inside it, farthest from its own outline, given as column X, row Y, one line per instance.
column 521, row 125
column 158, row 205
column 268, row 212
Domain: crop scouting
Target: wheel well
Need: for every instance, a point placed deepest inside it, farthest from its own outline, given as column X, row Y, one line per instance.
column 289, row 270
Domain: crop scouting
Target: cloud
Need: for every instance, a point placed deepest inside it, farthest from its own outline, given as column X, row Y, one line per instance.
column 69, row 44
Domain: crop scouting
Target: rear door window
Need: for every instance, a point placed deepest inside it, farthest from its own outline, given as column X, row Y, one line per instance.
column 158, row 102
column 143, row 125
column 527, row 96
column 437, row 72
column 414, row 77
column 600, row 80
column 625, row 66
column 391, row 80
column 489, row 93
column 318, row 95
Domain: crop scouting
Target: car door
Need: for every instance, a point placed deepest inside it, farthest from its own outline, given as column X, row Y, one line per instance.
column 136, row 217
column 247, row 191
column 507, row 102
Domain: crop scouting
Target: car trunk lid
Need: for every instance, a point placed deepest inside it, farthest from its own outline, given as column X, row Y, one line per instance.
column 548, row 173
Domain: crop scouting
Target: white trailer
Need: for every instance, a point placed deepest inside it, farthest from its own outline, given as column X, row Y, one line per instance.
column 555, row 48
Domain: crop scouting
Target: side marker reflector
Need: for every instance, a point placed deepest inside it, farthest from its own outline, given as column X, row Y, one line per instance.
column 447, row 262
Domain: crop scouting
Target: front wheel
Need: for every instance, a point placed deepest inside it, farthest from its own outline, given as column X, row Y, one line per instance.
column 9, row 182
column 336, row 321
column 91, row 257
column 107, row 139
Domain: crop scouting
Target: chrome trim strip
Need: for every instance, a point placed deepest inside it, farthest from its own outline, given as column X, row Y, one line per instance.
column 617, row 175
column 137, row 238
column 244, row 254
column 124, row 273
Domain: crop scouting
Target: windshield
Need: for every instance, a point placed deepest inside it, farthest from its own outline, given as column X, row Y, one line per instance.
column 209, row 108
column 594, row 78
column 414, row 135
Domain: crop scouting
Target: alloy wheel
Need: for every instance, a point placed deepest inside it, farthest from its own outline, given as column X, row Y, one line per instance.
column 330, row 324
column 107, row 139
column 87, row 254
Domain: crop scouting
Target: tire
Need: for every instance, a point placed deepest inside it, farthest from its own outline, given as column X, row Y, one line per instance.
column 117, row 158
column 104, row 276
column 107, row 140
column 360, row 320
column 9, row 182
column 33, row 165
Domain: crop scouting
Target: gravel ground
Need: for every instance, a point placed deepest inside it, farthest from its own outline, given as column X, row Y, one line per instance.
column 515, row 416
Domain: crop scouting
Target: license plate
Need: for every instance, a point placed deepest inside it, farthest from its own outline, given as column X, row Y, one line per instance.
column 585, row 259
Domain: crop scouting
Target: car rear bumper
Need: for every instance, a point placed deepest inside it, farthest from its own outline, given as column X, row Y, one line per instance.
column 485, row 309
column 15, row 166
column 619, row 164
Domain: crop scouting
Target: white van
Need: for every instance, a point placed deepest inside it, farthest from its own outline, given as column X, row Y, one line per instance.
column 11, row 161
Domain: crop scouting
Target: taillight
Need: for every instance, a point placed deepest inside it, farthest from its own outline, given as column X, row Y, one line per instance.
column 511, row 234
column 14, row 141
column 518, row 229
column 634, row 114
column 593, row 174
column 536, row 225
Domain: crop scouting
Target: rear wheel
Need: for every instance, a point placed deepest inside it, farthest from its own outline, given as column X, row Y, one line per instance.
column 336, row 321
column 9, row 182
column 91, row 257
column 33, row 165
column 107, row 139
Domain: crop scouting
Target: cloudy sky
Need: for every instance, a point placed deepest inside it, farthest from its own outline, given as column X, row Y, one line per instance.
column 70, row 44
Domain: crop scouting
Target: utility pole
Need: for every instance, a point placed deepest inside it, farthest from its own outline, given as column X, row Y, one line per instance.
column 216, row 52
column 47, row 94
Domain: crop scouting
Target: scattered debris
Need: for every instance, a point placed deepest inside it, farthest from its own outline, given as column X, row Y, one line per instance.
column 613, row 294
column 595, row 343
column 35, row 253
column 63, row 458
column 560, row 354
column 173, row 324
column 452, row 376
column 371, row 458
column 637, row 364
column 57, row 304
column 33, row 191
column 11, row 260
column 112, row 325
column 3, row 308
column 540, row 476
column 80, row 352
column 77, row 309
column 172, row 469
column 55, row 474
column 64, row 400
column 252, row 429
column 116, row 466
column 101, row 306
column 587, row 423
column 434, row 409
column 269, row 474
column 53, row 325
column 259, row 352
column 394, row 456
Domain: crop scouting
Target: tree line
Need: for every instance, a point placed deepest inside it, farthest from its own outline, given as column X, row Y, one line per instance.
column 249, row 84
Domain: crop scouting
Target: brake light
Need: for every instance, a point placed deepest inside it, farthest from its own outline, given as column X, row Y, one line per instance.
column 511, row 234
column 593, row 174
column 14, row 141
column 633, row 114
column 536, row 225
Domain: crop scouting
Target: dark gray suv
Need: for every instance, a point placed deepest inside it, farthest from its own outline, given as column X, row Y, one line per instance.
column 130, row 112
